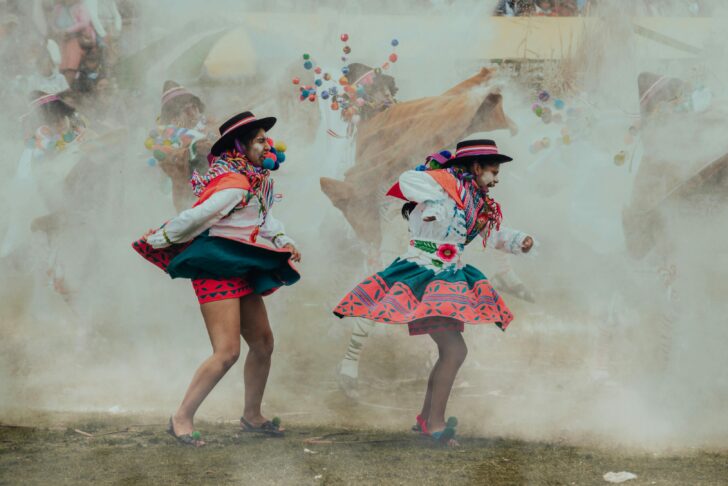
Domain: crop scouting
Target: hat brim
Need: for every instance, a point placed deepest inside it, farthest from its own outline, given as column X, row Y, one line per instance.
column 498, row 158
column 227, row 142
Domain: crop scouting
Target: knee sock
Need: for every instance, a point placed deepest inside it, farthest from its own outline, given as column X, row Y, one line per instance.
column 359, row 335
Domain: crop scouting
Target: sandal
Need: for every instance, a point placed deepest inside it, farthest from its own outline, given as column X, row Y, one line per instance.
column 269, row 427
column 420, row 426
column 446, row 436
column 194, row 439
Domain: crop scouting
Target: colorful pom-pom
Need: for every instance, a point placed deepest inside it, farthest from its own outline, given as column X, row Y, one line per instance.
column 307, row 65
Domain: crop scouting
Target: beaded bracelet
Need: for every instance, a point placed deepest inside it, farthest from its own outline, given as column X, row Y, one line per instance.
column 166, row 238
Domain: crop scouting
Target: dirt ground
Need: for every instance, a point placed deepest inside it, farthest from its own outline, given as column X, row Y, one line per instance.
column 135, row 450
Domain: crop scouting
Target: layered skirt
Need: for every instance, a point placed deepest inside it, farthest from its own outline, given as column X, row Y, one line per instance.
column 427, row 301
column 221, row 268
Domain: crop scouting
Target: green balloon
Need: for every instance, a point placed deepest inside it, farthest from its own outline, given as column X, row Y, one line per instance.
column 306, row 57
column 159, row 155
column 196, row 435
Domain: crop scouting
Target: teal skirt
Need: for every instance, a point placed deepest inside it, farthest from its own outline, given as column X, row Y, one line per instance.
column 211, row 257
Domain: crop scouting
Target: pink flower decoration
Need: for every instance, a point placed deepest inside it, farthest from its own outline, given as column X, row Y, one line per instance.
column 447, row 252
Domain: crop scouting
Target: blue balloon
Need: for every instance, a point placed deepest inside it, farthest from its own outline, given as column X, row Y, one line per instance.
column 281, row 157
column 395, row 42
column 325, row 95
column 345, row 70
column 559, row 104
column 318, row 82
column 308, row 64
column 269, row 164
column 151, row 162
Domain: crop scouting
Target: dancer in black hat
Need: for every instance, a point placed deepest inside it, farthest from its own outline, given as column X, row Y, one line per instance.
column 215, row 245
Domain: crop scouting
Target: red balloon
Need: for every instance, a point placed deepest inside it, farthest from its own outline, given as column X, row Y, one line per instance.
column 317, row 70
column 393, row 57
column 344, row 37
column 296, row 80
column 312, row 98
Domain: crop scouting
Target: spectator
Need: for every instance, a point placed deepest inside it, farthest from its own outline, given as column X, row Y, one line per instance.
column 71, row 21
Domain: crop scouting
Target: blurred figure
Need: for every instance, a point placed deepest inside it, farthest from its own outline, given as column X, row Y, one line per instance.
column 181, row 141
column 71, row 23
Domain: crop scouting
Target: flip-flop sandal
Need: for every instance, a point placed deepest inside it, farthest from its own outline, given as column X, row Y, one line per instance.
column 420, row 426
column 446, row 435
column 269, row 427
column 194, row 439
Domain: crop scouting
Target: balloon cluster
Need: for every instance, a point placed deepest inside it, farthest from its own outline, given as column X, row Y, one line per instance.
column 347, row 95
column 543, row 109
column 275, row 156
column 164, row 138
column 553, row 110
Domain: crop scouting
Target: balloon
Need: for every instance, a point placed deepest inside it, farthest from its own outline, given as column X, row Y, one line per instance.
column 317, row 70
column 280, row 146
column 343, row 81
column 334, row 106
column 312, row 97
column 620, row 158
column 327, row 76
column 344, row 37
column 559, row 104
column 296, row 80
column 345, row 70
column 395, row 42
column 281, row 158
column 385, row 66
column 347, row 49
column 306, row 57
column 333, row 90
column 308, row 65
column 543, row 96
column 393, row 57
column 151, row 162
column 269, row 164
column 149, row 143
column 325, row 95
column 318, row 82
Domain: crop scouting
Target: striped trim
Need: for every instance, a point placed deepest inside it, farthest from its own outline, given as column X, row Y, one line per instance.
column 242, row 122
column 173, row 93
column 44, row 100
column 477, row 150
column 648, row 93
column 332, row 133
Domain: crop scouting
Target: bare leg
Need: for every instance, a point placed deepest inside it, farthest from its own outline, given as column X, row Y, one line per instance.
column 255, row 329
column 453, row 351
column 222, row 319
column 426, row 405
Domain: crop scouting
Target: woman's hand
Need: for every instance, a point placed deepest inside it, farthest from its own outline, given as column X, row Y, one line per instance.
column 527, row 244
column 295, row 254
column 148, row 234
